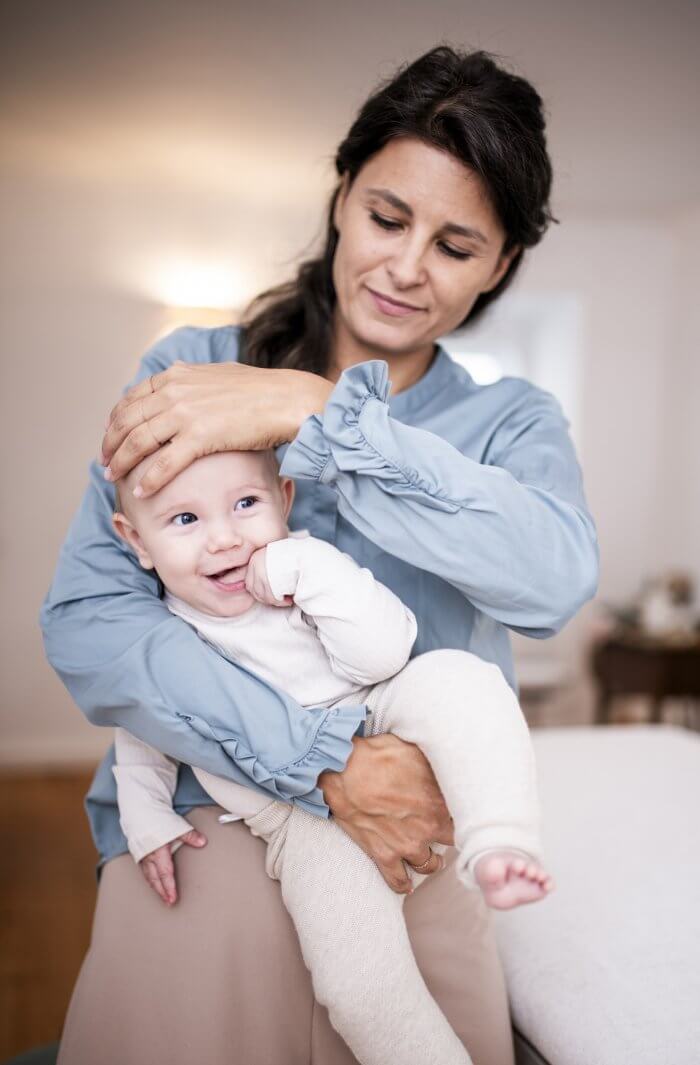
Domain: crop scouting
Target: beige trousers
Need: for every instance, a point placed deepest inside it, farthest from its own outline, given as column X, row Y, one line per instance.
column 219, row 978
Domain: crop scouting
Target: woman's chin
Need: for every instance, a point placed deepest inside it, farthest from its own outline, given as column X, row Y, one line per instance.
column 389, row 337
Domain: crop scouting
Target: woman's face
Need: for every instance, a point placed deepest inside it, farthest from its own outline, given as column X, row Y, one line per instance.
column 418, row 242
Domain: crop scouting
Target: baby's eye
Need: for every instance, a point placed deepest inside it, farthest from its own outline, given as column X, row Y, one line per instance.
column 188, row 518
column 251, row 500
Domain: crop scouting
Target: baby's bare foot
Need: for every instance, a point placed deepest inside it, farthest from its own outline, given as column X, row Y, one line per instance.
column 507, row 879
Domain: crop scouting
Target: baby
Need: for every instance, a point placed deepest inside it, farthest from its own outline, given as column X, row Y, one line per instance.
column 305, row 616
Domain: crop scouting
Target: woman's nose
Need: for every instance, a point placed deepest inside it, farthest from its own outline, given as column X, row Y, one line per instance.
column 406, row 268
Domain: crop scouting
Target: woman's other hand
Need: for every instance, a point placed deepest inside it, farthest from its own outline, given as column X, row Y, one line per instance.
column 388, row 800
column 159, row 869
column 200, row 409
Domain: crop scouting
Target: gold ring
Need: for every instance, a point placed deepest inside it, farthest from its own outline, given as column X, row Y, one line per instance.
column 428, row 860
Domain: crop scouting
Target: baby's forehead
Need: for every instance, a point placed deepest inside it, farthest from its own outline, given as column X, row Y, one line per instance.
column 226, row 467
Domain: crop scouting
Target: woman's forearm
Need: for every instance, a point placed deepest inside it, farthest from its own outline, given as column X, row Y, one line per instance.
column 512, row 533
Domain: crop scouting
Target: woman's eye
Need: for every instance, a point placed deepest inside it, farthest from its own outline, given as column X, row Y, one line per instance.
column 251, row 500
column 188, row 518
column 454, row 253
column 385, row 223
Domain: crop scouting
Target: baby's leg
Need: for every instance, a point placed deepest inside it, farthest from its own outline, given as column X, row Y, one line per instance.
column 354, row 941
column 467, row 721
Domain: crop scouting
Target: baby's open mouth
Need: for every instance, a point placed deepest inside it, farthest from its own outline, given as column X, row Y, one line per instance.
column 228, row 576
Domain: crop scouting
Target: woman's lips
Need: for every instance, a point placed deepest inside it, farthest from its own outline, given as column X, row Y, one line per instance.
column 391, row 307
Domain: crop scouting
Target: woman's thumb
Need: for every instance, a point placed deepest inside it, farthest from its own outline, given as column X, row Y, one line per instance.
column 194, row 838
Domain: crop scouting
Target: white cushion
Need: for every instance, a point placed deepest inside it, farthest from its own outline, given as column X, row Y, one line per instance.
column 606, row 971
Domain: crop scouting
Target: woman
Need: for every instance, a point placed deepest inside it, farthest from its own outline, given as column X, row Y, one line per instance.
column 467, row 501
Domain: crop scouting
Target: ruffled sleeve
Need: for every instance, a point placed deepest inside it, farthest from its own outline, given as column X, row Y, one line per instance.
column 512, row 532
column 310, row 455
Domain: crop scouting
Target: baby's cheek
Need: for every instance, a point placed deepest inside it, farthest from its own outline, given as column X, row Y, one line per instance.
column 180, row 564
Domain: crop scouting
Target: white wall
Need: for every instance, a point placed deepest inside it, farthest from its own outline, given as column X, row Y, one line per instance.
column 680, row 476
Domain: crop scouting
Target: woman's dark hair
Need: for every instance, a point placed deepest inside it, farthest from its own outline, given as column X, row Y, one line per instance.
column 462, row 103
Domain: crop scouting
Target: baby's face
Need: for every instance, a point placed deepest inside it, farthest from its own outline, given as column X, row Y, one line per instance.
column 199, row 530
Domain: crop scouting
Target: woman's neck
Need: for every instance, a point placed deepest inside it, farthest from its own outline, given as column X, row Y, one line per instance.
column 404, row 369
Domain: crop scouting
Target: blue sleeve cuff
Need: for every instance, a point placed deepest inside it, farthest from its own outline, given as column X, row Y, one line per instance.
column 309, row 455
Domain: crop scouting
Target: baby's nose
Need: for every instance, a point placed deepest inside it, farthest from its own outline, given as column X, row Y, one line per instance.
column 224, row 535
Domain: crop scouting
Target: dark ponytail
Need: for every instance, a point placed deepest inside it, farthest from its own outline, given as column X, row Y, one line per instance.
column 461, row 103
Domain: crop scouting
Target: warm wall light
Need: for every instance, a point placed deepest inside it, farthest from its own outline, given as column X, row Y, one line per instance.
column 206, row 317
column 197, row 292
column 182, row 283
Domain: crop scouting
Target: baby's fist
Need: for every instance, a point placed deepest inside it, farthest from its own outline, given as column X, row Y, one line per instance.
column 257, row 582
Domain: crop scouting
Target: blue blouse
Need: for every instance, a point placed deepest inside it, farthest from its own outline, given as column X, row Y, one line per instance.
column 466, row 500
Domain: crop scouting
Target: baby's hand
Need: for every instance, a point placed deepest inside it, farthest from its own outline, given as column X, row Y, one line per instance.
column 256, row 581
column 159, row 870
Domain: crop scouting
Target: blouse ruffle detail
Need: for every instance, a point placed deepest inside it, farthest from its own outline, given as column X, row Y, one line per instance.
column 331, row 748
column 311, row 455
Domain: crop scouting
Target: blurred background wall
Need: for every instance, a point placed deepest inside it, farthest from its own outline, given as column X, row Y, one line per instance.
column 162, row 162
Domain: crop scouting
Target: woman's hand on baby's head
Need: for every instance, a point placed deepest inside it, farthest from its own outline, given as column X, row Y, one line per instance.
column 159, row 869
column 257, row 582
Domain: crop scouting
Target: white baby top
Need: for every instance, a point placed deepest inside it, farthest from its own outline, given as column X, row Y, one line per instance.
column 344, row 633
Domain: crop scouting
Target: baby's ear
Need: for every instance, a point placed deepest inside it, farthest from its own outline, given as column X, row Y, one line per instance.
column 287, row 489
column 124, row 529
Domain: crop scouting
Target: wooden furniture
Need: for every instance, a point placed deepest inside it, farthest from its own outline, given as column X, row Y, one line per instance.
column 630, row 663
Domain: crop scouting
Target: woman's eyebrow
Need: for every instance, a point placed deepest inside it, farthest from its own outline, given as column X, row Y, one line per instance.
column 449, row 227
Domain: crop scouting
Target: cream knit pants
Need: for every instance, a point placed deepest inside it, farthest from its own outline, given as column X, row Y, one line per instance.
column 461, row 713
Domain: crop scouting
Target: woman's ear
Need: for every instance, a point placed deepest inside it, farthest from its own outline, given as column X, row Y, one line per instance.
column 340, row 199
column 501, row 268
column 124, row 529
column 287, row 489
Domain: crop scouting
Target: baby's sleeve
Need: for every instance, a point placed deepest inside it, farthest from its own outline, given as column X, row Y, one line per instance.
column 146, row 782
column 366, row 630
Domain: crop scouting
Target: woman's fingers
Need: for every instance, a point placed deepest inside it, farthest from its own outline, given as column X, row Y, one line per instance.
column 167, row 463
column 127, row 418
column 150, row 386
column 385, row 857
column 426, row 863
column 142, row 441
